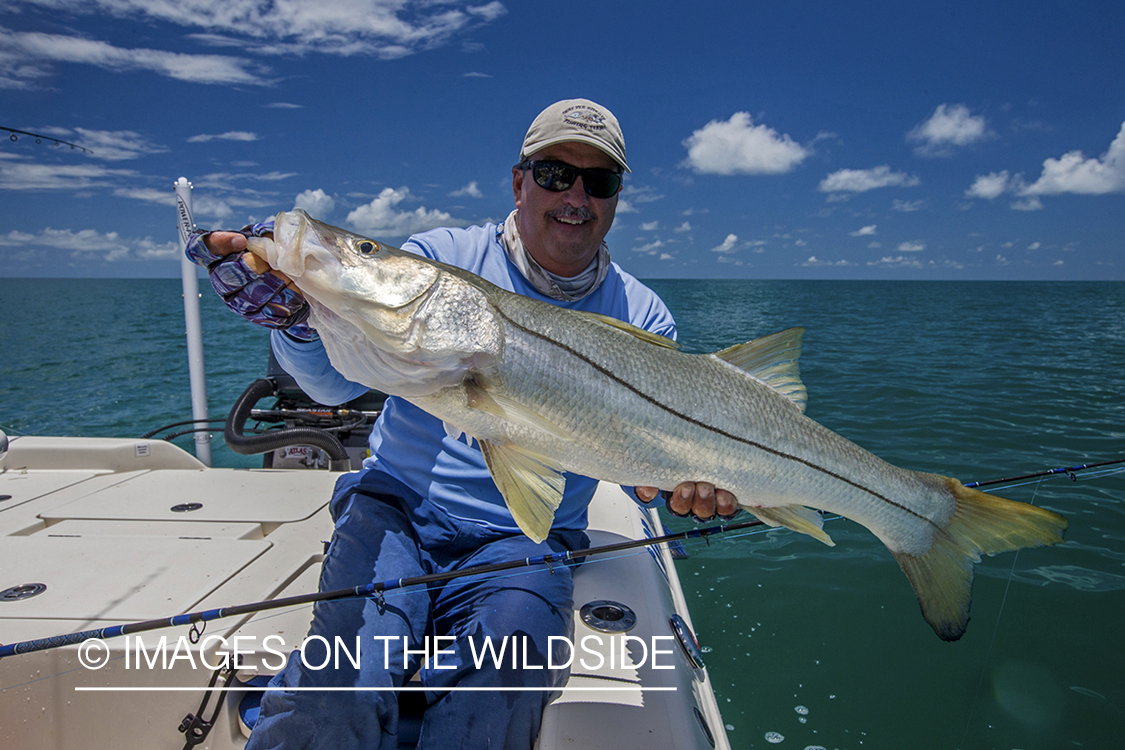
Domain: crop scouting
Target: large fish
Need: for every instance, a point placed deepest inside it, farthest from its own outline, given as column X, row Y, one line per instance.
column 546, row 390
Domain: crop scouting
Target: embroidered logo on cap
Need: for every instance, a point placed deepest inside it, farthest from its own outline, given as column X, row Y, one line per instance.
column 585, row 117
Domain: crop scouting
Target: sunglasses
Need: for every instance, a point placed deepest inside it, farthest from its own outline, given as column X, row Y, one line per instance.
column 558, row 176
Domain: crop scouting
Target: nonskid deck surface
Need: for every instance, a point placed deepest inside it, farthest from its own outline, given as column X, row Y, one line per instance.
column 117, row 530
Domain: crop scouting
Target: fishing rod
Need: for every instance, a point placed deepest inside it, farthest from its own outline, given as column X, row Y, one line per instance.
column 374, row 589
column 14, row 136
column 1068, row 470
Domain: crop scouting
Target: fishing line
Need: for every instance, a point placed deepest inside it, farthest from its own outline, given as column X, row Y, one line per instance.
column 1043, row 476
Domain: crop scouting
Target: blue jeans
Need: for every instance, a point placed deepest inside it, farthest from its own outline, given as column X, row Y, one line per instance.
column 385, row 531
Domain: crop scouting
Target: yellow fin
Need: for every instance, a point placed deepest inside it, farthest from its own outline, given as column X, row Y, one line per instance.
column 640, row 333
column 796, row 517
column 532, row 485
column 773, row 360
column 479, row 397
column 982, row 524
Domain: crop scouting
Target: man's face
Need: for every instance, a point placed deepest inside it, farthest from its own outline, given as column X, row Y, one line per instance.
column 563, row 231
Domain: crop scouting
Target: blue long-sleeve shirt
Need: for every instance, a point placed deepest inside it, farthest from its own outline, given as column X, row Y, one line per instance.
column 413, row 446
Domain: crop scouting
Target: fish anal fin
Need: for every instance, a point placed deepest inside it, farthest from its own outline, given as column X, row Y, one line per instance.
column 481, row 398
column 795, row 517
column 640, row 333
column 982, row 524
column 532, row 485
column 773, row 360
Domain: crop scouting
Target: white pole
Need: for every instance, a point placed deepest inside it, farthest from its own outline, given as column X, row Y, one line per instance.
column 190, row 277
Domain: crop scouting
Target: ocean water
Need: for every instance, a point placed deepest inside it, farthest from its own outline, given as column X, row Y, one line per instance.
column 822, row 647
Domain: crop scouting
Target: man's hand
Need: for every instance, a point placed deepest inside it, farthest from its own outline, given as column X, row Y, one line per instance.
column 247, row 284
column 229, row 243
column 225, row 243
column 700, row 499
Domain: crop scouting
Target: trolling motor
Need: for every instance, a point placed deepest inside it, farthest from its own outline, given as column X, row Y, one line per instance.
column 309, row 435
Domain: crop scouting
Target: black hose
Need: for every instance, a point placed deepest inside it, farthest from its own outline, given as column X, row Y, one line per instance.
column 270, row 441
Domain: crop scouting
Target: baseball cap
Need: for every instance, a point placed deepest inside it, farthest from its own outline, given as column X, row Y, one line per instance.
column 576, row 120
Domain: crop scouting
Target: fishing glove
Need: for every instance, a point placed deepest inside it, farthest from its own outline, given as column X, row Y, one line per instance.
column 263, row 299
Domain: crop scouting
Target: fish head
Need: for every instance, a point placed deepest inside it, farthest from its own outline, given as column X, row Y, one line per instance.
column 332, row 265
column 373, row 305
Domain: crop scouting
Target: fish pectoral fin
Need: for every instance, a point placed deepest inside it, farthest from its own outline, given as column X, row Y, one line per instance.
column 510, row 410
column 773, row 360
column 640, row 333
column 795, row 517
column 532, row 485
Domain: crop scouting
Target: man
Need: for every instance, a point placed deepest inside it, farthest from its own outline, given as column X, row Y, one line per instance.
column 425, row 501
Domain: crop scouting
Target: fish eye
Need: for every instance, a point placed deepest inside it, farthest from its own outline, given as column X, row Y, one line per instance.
column 367, row 247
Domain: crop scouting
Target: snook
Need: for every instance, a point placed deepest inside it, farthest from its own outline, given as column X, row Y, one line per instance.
column 546, row 390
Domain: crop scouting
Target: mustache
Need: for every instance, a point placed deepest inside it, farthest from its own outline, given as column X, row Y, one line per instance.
column 572, row 212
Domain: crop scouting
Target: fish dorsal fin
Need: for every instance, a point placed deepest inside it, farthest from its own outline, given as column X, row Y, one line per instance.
column 640, row 333
column 532, row 485
column 795, row 517
column 773, row 360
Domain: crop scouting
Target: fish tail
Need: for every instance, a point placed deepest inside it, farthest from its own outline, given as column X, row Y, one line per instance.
column 943, row 577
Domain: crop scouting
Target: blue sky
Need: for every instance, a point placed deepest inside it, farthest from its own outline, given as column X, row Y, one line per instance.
column 768, row 140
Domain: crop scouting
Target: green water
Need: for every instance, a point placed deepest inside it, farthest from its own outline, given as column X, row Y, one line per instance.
column 825, row 647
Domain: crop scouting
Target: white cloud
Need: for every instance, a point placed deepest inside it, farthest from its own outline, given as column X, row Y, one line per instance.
column 283, row 105
column 899, row 261
column 815, row 262
column 949, row 126
column 729, row 245
column 1073, row 173
column 386, row 29
column 230, row 135
column 382, row 217
column 472, row 190
column 862, row 180
column 864, row 231
column 667, row 256
column 911, row 247
column 650, row 226
column 989, row 186
column 907, row 206
column 1030, row 203
column 650, row 248
column 109, row 246
column 685, row 227
column 738, row 146
column 318, row 203
column 1035, row 246
column 641, row 194
column 19, row 174
column 1070, row 173
column 27, row 57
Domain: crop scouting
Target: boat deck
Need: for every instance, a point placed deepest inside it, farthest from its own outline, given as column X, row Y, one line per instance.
column 97, row 532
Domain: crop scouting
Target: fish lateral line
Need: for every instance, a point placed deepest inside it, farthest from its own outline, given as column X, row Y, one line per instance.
column 711, row 428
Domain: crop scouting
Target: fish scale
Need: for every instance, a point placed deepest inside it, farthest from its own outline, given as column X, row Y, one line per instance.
column 546, row 390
